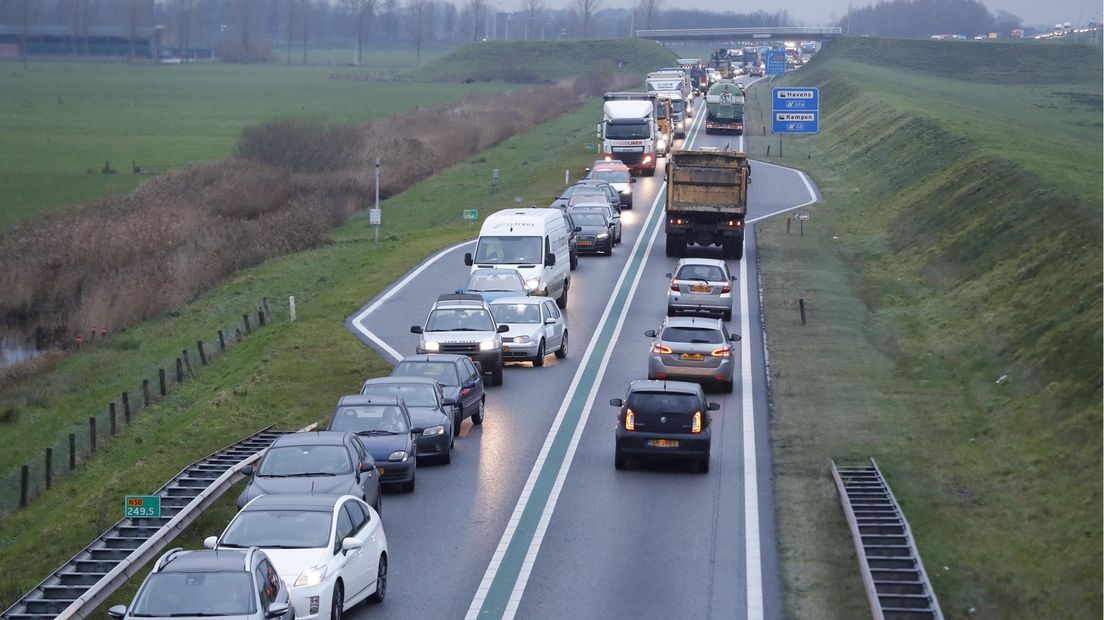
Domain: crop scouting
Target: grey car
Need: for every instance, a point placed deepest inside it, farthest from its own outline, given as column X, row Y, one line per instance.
column 326, row 462
column 596, row 232
column 612, row 192
column 231, row 584
column 462, row 324
column 432, row 418
column 700, row 285
column 692, row 349
column 537, row 328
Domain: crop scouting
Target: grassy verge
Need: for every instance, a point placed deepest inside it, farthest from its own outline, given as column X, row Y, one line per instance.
column 291, row 373
column 953, row 281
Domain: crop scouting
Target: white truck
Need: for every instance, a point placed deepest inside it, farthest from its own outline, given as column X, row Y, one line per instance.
column 628, row 132
column 667, row 80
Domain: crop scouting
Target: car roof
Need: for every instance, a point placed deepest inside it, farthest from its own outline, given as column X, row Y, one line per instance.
column 365, row 399
column 296, row 501
column 392, row 379
column 204, row 561
column 532, row 301
column 458, row 300
column 609, row 165
column 433, row 357
column 681, row 387
column 693, row 321
column 701, row 261
column 312, row 438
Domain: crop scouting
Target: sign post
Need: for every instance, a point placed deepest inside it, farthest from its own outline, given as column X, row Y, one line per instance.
column 471, row 215
column 142, row 507
column 374, row 216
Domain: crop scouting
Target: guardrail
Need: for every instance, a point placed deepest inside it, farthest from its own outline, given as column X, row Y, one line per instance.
column 779, row 32
column 80, row 585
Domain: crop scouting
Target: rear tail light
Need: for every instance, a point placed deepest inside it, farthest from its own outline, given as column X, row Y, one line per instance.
column 630, row 420
column 661, row 348
column 722, row 352
column 466, row 391
column 727, row 288
column 674, row 286
column 695, row 424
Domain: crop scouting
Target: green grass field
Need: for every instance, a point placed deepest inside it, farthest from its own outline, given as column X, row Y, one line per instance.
column 290, row 373
column 958, row 242
column 59, row 122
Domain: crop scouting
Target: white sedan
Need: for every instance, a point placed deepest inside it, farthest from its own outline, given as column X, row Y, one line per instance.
column 536, row 327
column 314, row 541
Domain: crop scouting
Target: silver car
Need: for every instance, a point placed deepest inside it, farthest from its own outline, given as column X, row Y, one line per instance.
column 692, row 349
column 700, row 285
column 611, row 215
column 536, row 328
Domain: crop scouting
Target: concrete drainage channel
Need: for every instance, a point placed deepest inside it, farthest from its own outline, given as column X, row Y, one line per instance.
column 77, row 588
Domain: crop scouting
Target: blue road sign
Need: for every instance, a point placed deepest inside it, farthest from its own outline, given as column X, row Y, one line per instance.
column 795, row 110
column 776, row 62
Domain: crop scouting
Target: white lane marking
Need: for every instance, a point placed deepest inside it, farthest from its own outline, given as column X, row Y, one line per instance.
column 358, row 320
column 752, row 549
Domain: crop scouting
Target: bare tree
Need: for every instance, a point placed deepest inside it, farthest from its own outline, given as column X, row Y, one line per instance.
column 533, row 9
column 363, row 12
column 290, row 14
column 28, row 16
column 133, row 16
column 416, row 10
column 477, row 7
column 307, row 6
column 649, row 11
column 183, row 24
column 587, row 8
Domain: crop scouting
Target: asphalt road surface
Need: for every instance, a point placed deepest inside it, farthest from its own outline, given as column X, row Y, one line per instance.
column 531, row 520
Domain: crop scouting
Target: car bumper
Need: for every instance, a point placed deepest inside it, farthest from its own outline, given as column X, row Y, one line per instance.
column 636, row 445
column 681, row 302
column 598, row 248
column 301, row 600
column 512, row 351
column 395, row 472
column 721, row 373
column 433, row 446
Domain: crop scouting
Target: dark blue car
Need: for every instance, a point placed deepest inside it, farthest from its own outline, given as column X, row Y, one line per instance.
column 382, row 424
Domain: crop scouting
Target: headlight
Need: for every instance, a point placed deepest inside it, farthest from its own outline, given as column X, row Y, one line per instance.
column 398, row 455
column 487, row 345
column 679, row 124
column 628, row 190
column 603, row 235
column 532, row 284
column 522, row 339
column 311, row 577
column 429, row 345
column 433, row 431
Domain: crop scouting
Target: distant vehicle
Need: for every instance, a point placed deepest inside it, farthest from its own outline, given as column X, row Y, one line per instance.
column 664, row 126
column 724, row 108
column 490, row 284
column 755, row 71
column 678, row 112
column 706, row 201
column 330, row 550
column 663, row 421
column 460, row 380
column 597, row 232
column 383, row 426
column 618, row 176
column 628, row 132
column 324, row 462
column 700, row 285
column 432, row 419
column 610, row 214
column 692, row 349
column 242, row 584
column 462, row 324
column 587, row 186
column 537, row 328
column 534, row 242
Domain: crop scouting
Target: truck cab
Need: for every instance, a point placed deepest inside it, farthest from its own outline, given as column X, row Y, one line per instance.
column 628, row 131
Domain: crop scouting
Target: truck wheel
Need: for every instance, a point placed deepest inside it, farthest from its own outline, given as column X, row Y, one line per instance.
column 496, row 375
column 676, row 246
column 561, row 301
column 733, row 248
column 650, row 172
column 573, row 261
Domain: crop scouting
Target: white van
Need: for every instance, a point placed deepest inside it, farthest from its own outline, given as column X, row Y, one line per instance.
column 533, row 241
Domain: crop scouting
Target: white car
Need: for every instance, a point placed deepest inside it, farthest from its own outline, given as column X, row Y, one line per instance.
column 536, row 328
column 315, row 542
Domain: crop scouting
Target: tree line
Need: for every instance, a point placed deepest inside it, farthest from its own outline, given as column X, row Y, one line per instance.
column 924, row 18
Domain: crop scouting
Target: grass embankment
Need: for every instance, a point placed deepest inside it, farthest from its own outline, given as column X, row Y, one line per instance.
column 59, row 122
column 545, row 61
column 953, row 281
column 290, row 373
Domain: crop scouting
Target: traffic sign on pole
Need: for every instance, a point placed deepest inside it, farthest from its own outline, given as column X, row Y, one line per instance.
column 795, row 110
column 776, row 62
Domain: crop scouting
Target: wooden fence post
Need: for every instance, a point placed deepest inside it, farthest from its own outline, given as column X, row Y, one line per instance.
column 222, row 341
column 801, row 307
column 145, row 394
column 179, row 371
column 260, row 318
column 187, row 362
column 72, row 451
column 202, row 353
column 111, row 417
column 245, row 319
column 126, row 407
column 92, row 433
column 49, row 467
column 161, row 378
column 24, row 483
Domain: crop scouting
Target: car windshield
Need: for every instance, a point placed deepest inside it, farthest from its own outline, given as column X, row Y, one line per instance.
column 676, row 106
column 443, row 372
column 580, row 210
column 611, row 176
column 590, row 218
column 591, row 198
column 278, row 529
column 488, row 281
column 196, row 594
column 459, row 320
column 627, row 131
column 369, row 419
column 645, row 403
column 508, row 250
column 692, row 335
column 516, row 313
column 306, row 461
column 413, row 394
column 710, row 273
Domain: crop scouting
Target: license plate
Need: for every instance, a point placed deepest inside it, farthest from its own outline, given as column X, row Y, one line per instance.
column 697, row 357
column 663, row 443
column 380, row 470
column 701, row 288
column 586, row 243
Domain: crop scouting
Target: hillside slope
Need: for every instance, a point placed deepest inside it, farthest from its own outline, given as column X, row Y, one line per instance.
column 955, row 273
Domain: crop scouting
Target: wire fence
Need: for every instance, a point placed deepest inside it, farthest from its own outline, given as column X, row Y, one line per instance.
column 77, row 442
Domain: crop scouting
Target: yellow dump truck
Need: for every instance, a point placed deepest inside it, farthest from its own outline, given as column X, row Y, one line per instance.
column 663, row 124
column 706, row 200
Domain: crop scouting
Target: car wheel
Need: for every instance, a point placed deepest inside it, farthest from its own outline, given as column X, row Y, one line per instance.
column 562, row 351
column 670, row 311
column 574, row 262
column 726, row 387
column 496, row 375
column 381, row 582
column 728, row 316
column 338, row 603
column 561, row 301
column 456, row 423
column 477, row 418
column 446, row 458
column 703, row 465
column 408, row 486
column 618, row 461
column 538, row 361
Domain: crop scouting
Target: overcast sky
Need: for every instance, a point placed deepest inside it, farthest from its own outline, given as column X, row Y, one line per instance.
column 818, row 12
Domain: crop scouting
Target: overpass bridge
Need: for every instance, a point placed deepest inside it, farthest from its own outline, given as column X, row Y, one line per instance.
column 788, row 33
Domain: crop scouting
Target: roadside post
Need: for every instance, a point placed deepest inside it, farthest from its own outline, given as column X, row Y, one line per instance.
column 794, row 110
column 471, row 215
column 374, row 214
column 802, row 216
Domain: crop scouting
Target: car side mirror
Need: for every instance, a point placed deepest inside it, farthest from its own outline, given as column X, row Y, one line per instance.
column 632, row 179
column 478, row 366
column 502, row 329
column 117, row 611
column 734, row 337
column 578, row 229
column 587, row 170
column 247, row 470
column 668, row 275
column 468, row 259
column 278, row 609
column 459, row 291
column 550, row 260
column 651, row 333
column 733, row 278
column 617, row 402
column 550, row 321
column 351, row 544
column 415, row 329
column 713, row 406
column 450, row 401
column 210, row 542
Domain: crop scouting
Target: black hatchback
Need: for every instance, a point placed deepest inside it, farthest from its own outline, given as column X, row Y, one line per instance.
column 461, row 381
column 663, row 421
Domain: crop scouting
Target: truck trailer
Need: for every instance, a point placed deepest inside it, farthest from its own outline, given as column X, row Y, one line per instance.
column 706, row 200
column 724, row 108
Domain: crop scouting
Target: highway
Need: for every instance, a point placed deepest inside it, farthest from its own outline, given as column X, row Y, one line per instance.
column 531, row 520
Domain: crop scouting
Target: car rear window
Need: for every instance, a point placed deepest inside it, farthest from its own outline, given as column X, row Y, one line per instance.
column 692, row 335
column 663, row 403
column 710, row 273
column 443, row 372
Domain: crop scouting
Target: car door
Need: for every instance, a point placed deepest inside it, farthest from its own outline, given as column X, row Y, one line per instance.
column 470, row 392
column 361, row 563
column 343, row 563
column 369, row 484
column 553, row 334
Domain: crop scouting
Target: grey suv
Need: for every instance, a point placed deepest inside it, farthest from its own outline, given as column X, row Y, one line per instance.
column 463, row 324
